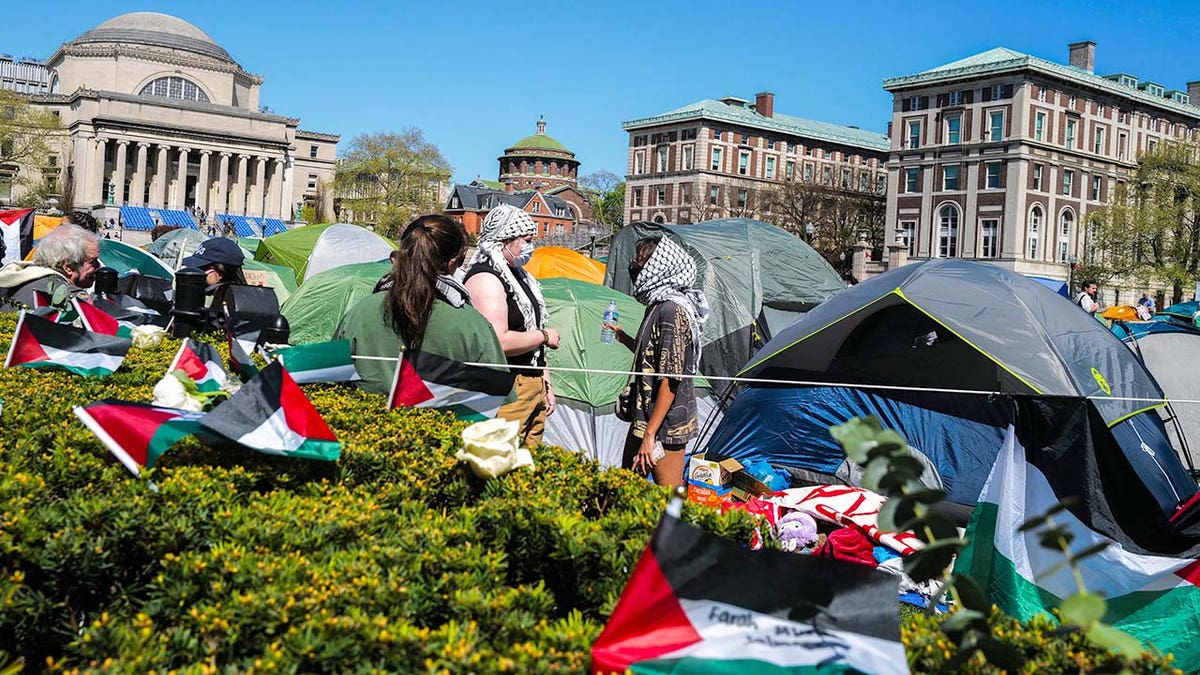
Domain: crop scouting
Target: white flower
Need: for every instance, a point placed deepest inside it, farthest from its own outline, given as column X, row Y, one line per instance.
column 170, row 393
column 147, row 337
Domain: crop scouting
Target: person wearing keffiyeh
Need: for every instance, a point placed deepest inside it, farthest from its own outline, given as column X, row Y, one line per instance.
column 511, row 300
column 661, row 409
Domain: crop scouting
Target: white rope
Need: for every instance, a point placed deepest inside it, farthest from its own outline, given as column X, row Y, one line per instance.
column 794, row 383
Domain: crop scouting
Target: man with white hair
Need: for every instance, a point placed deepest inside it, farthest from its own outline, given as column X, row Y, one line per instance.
column 66, row 258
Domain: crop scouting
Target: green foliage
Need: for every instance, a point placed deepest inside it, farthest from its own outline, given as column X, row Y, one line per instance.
column 386, row 178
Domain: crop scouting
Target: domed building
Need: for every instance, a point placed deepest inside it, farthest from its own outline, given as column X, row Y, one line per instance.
column 159, row 116
column 538, row 162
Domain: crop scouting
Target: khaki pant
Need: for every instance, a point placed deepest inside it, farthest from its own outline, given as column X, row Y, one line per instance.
column 528, row 411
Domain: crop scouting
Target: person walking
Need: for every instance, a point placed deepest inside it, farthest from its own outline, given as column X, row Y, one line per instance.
column 511, row 300
column 659, row 404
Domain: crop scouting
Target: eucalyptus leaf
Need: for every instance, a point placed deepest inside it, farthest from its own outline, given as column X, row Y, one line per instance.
column 969, row 594
column 1003, row 656
column 1083, row 609
column 1089, row 551
column 931, row 561
column 873, row 472
column 963, row 619
column 1056, row 538
column 895, row 514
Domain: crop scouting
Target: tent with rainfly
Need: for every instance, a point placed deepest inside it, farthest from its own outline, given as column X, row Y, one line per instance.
column 954, row 326
column 549, row 262
column 313, row 249
column 316, row 308
column 585, row 419
column 176, row 245
column 127, row 258
column 758, row 280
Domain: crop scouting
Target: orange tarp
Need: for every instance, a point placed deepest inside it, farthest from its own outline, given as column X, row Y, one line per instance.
column 43, row 224
column 549, row 262
column 1120, row 313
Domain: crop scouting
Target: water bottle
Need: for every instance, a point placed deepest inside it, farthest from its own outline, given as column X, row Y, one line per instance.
column 608, row 335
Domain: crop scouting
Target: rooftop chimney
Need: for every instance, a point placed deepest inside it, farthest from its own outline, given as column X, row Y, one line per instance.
column 764, row 103
column 1194, row 93
column 1083, row 55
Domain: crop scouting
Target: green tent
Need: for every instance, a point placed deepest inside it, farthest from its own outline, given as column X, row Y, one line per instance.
column 317, row 248
column 176, row 245
column 126, row 258
column 316, row 308
column 276, row 277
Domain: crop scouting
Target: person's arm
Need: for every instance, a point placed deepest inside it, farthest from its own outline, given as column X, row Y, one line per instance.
column 663, row 399
column 551, row 401
column 622, row 337
column 488, row 296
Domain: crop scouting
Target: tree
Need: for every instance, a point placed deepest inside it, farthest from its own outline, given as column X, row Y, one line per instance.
column 28, row 137
column 1151, row 228
column 606, row 191
column 832, row 221
column 386, row 178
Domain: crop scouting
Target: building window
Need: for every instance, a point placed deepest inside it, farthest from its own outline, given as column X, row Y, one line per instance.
column 998, row 92
column 716, row 159
column 1039, row 127
column 687, row 156
column 770, row 168
column 953, row 130
column 312, row 181
column 1035, row 230
column 914, row 134
column 863, row 181
column 827, row 175
column 992, row 177
column 955, row 98
column 743, row 163
column 1065, row 223
column 6, row 183
column 1098, row 146
column 537, row 206
column 1042, row 94
column 995, row 125
column 661, row 196
column 742, row 196
column 637, row 196
column 1068, row 182
column 175, row 87
column 1071, row 101
column 1122, row 144
column 845, row 178
column 790, row 171
column 312, row 151
column 639, row 163
column 990, row 230
column 909, row 228
column 1096, row 183
column 948, row 232
column 714, row 195
column 1037, row 176
column 688, row 134
column 808, row 171
column 1069, row 141
column 950, row 178
column 828, row 154
column 685, row 193
column 911, row 178
column 662, row 160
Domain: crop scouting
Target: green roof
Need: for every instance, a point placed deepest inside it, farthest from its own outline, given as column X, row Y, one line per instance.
column 493, row 184
column 738, row 114
column 1001, row 60
column 538, row 142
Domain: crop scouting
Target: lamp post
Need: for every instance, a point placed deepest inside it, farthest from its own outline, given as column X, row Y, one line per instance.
column 1072, row 261
column 809, row 229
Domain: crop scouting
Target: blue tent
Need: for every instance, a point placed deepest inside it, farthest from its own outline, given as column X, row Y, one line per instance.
column 1056, row 285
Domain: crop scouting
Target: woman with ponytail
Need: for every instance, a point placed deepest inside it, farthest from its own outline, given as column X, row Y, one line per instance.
column 423, row 308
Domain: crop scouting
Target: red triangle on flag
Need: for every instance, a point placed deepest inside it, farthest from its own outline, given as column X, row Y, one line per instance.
column 408, row 387
column 299, row 412
column 648, row 621
column 95, row 319
column 25, row 347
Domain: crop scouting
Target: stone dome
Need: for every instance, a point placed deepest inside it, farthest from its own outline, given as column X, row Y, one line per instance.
column 156, row 30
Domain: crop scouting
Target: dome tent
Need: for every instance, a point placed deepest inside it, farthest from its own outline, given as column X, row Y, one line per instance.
column 317, row 248
column 549, row 262
column 316, row 308
column 176, row 245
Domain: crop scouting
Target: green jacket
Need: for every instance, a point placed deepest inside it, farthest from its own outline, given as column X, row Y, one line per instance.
column 461, row 334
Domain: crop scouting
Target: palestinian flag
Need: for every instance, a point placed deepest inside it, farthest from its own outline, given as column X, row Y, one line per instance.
column 240, row 349
column 698, row 603
column 128, row 311
column 138, row 434
column 271, row 414
column 1148, row 573
column 425, row 380
column 43, row 306
column 16, row 230
column 40, row 343
column 318, row 362
column 97, row 320
column 202, row 363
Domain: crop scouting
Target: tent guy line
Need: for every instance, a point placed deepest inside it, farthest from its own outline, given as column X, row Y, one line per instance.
column 802, row 383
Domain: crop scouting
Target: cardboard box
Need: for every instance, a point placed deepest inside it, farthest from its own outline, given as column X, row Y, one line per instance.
column 711, row 473
column 707, row 495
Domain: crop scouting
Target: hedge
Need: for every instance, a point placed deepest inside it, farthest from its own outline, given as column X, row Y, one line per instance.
column 393, row 559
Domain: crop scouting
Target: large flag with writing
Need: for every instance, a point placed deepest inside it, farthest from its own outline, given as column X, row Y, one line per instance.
column 318, row 362
column 16, row 228
column 425, row 380
column 698, row 603
column 271, row 414
column 137, row 433
column 202, row 363
column 40, row 343
column 1149, row 571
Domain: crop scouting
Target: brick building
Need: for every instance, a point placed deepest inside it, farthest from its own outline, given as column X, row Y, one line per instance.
column 720, row 158
column 1001, row 156
column 540, row 162
column 469, row 205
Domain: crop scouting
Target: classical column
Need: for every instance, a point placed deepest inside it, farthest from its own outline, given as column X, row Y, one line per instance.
column 96, row 192
column 222, row 205
column 179, row 200
column 159, row 198
column 237, row 202
column 202, row 185
column 275, row 207
column 137, row 190
column 258, row 194
column 119, row 175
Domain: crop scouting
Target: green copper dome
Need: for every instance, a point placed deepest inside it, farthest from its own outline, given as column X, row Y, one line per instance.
column 537, row 142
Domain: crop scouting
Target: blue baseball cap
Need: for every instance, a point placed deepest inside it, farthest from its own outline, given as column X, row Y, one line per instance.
column 216, row 250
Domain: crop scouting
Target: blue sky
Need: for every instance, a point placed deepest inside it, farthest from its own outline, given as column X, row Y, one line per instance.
column 475, row 77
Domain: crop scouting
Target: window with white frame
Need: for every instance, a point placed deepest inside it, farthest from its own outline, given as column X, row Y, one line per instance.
column 1066, row 223
column 714, row 195
column 1098, row 145
column 688, row 151
column 175, row 87
column 637, row 196
column 989, row 231
column 661, row 196
column 1122, row 145
column 954, row 130
column 912, row 179
column 743, row 163
column 1039, row 127
column 716, row 159
column 1042, row 94
column 914, row 134
column 909, row 228
column 1097, row 184
column 955, row 98
column 948, row 231
column 950, row 178
column 639, row 163
column 662, row 159
column 827, row 175
column 742, row 196
column 992, row 175
column 1068, row 182
column 1034, row 232
column 312, row 181
column 790, row 171
column 808, row 171
column 770, row 168
column 995, row 125
column 845, row 178
column 1069, row 140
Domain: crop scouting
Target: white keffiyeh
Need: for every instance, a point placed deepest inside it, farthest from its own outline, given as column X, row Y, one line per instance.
column 670, row 274
column 505, row 223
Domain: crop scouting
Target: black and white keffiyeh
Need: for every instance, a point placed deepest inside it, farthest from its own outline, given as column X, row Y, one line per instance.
column 670, row 274
column 505, row 223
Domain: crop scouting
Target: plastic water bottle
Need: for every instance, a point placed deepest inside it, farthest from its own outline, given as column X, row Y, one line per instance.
column 611, row 315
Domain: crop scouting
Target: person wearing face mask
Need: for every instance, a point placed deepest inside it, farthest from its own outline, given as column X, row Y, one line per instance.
column 68, row 257
column 423, row 308
column 511, row 300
